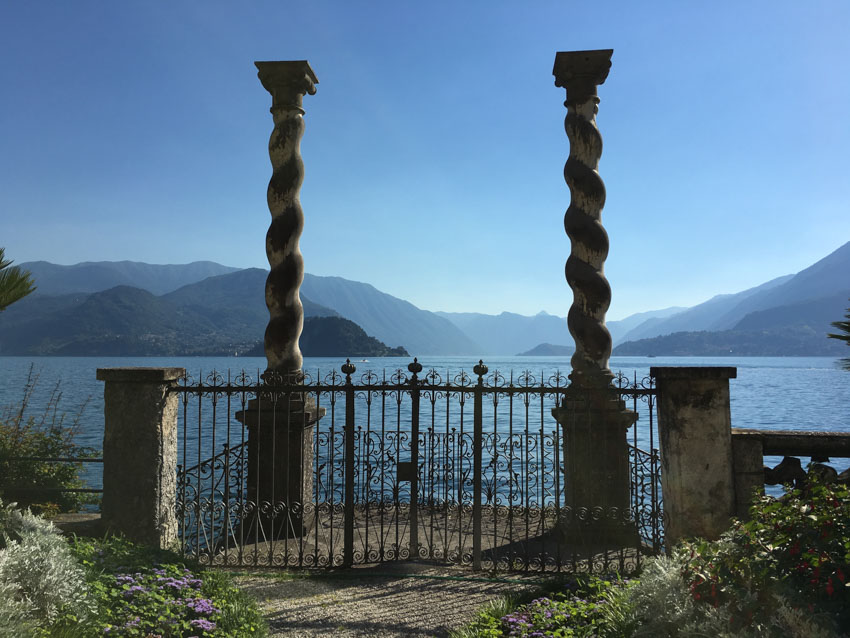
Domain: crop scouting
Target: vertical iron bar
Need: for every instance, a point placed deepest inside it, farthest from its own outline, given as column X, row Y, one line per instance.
column 460, row 479
column 212, row 472
column 227, row 521
column 185, row 468
column 557, row 488
column 198, row 519
column 414, row 459
column 367, row 467
column 275, row 404
column 494, row 461
column 329, row 488
column 447, row 465
column 302, row 424
column 477, row 445
column 432, row 443
column 653, row 477
column 348, row 536
column 397, row 483
column 384, row 453
column 541, row 472
column 316, row 471
column 257, row 505
column 510, row 450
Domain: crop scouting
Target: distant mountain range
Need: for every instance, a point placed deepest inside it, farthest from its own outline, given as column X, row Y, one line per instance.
column 97, row 276
column 790, row 314
column 206, row 308
column 390, row 319
column 220, row 315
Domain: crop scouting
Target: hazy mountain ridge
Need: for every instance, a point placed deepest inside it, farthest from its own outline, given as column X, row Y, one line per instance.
column 97, row 276
column 390, row 319
column 777, row 342
column 807, row 301
column 219, row 315
column 508, row 332
column 548, row 350
column 336, row 336
column 228, row 312
column 701, row 317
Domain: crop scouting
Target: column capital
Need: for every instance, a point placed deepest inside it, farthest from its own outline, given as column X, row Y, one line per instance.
column 580, row 72
column 287, row 81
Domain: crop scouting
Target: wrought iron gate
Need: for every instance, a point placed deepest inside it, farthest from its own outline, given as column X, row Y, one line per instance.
column 455, row 468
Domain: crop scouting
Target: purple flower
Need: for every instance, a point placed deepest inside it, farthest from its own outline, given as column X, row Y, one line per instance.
column 202, row 606
column 203, row 624
column 135, row 589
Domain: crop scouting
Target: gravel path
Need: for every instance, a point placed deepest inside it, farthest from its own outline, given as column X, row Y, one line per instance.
column 387, row 600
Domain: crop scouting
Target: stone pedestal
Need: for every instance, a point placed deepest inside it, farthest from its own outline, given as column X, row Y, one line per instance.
column 695, row 439
column 748, row 469
column 140, row 453
column 280, row 462
column 596, row 464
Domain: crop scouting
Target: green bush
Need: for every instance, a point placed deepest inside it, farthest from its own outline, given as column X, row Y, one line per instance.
column 786, row 572
column 796, row 549
column 783, row 573
column 570, row 608
column 45, row 435
column 143, row 592
column 40, row 582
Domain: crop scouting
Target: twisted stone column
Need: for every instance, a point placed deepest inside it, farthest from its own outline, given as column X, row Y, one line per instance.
column 280, row 426
column 579, row 72
column 592, row 414
column 287, row 82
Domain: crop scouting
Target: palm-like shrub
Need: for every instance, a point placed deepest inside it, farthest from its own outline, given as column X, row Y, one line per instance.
column 15, row 283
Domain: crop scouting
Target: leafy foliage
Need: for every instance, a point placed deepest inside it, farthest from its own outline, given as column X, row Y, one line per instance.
column 785, row 572
column 144, row 592
column 574, row 608
column 40, row 582
column 15, row 283
column 45, row 435
column 796, row 549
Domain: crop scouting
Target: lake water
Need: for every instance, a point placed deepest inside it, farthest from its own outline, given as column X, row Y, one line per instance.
column 793, row 393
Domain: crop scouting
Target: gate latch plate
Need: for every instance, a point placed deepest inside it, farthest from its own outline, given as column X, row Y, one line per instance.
column 406, row 470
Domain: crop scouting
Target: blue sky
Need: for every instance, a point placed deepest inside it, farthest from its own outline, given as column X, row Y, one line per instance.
column 434, row 147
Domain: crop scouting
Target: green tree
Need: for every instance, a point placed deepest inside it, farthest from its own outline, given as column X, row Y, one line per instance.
column 15, row 284
column 844, row 334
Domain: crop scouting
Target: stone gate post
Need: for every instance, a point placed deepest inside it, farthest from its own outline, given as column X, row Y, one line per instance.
column 695, row 438
column 140, row 453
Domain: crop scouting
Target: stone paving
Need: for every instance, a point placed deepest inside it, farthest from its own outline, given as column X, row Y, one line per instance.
column 405, row 599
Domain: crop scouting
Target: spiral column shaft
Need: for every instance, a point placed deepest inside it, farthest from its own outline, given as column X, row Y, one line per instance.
column 592, row 414
column 287, row 82
column 579, row 72
column 280, row 426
